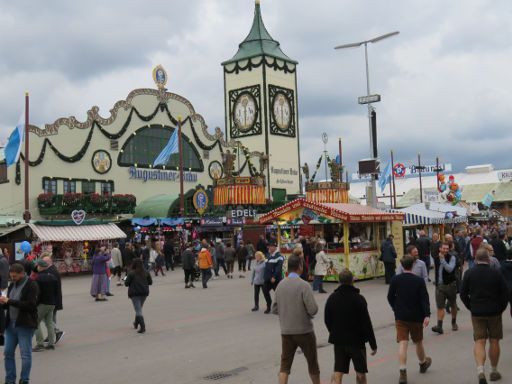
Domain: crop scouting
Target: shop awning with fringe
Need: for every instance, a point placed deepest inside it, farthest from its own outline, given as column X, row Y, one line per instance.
column 47, row 233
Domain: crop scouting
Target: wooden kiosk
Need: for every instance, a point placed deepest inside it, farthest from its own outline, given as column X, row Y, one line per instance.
column 353, row 233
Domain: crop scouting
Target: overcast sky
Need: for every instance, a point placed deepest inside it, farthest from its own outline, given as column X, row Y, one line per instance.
column 445, row 81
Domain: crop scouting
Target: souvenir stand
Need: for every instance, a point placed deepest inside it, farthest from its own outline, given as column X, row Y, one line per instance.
column 353, row 233
column 72, row 245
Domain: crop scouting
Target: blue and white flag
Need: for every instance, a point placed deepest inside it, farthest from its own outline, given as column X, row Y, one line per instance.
column 13, row 147
column 171, row 147
column 385, row 177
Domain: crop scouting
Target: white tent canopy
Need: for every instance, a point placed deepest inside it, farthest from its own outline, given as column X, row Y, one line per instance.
column 433, row 213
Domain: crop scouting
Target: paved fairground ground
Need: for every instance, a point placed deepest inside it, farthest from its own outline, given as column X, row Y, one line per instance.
column 194, row 334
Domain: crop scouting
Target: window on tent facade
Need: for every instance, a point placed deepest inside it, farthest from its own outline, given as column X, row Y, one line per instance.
column 69, row 186
column 50, row 186
column 88, row 187
column 143, row 148
column 106, row 188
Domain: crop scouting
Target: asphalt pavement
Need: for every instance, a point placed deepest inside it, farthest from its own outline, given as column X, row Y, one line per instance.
column 211, row 336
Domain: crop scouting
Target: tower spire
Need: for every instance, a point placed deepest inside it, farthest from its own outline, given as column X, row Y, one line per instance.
column 259, row 42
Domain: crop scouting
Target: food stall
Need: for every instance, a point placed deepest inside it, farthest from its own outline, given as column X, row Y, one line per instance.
column 352, row 233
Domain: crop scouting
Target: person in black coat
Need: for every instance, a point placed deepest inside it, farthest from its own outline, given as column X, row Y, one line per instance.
column 188, row 261
column 48, row 296
column 500, row 250
column 350, row 328
column 138, row 281
column 58, row 305
column 408, row 297
column 424, row 245
column 388, row 257
column 506, row 270
column 262, row 245
column 485, row 293
column 21, row 321
column 169, row 254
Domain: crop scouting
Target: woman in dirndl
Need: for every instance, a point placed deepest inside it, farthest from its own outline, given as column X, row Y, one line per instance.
column 99, row 274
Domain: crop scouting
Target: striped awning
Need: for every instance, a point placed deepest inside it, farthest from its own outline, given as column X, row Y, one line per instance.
column 437, row 213
column 78, row 232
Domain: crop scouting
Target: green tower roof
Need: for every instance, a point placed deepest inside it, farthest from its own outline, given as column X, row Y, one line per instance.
column 259, row 42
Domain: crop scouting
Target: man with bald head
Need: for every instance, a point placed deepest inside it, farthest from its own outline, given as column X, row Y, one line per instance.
column 484, row 292
column 58, row 305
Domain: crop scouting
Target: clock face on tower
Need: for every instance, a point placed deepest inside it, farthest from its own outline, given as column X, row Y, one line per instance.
column 282, row 111
column 282, row 116
column 244, row 111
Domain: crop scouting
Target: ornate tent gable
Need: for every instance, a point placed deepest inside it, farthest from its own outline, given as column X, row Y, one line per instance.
column 93, row 114
column 96, row 121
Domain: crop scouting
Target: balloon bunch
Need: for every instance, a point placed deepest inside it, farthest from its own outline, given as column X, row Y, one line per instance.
column 449, row 190
column 26, row 247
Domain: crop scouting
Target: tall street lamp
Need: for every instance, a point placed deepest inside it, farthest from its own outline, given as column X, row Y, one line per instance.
column 369, row 99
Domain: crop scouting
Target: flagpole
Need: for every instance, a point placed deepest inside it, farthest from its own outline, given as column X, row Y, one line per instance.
column 393, row 178
column 341, row 160
column 421, row 184
column 180, row 146
column 26, row 214
column 391, row 183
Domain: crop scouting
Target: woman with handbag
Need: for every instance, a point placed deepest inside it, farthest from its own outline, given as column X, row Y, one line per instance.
column 138, row 282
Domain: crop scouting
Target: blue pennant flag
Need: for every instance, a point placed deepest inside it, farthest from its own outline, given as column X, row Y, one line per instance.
column 171, row 147
column 13, row 147
column 385, row 177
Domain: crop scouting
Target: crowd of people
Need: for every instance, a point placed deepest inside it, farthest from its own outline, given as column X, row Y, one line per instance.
column 31, row 301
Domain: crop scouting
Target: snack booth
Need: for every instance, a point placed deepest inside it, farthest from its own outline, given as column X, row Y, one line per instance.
column 352, row 233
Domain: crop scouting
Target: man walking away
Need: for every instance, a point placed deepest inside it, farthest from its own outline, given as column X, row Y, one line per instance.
column 117, row 262
column 418, row 267
column 506, row 270
column 169, row 254
column 221, row 260
column 273, row 271
column 350, row 328
column 485, row 293
column 500, row 250
column 296, row 307
column 446, row 289
column 204, row 260
column 388, row 257
column 48, row 292
column 474, row 245
column 21, row 304
column 188, row 261
column 408, row 297
column 59, row 334
column 424, row 245
column 229, row 255
column 261, row 245
column 241, row 255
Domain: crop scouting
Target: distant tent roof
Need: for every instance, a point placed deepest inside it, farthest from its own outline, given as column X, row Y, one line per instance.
column 474, row 193
column 438, row 213
column 259, row 43
column 156, row 206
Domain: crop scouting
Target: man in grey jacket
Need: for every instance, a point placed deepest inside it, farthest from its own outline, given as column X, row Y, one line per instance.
column 296, row 306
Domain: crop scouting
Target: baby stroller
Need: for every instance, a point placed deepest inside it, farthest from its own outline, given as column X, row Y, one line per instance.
column 196, row 273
